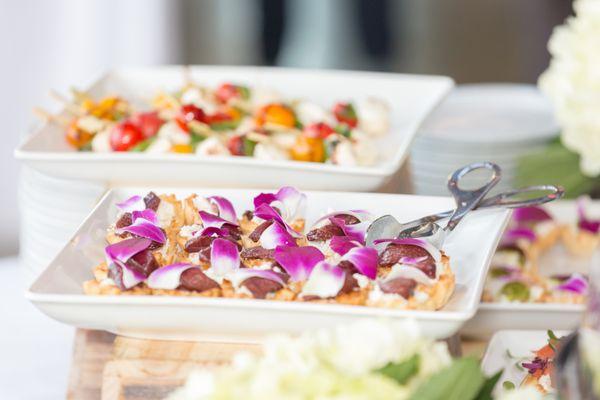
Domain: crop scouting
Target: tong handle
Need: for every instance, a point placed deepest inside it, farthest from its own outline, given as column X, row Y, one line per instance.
column 504, row 199
column 467, row 200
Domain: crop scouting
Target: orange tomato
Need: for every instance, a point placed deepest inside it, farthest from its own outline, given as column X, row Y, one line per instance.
column 182, row 148
column 545, row 352
column 308, row 149
column 76, row 136
column 276, row 114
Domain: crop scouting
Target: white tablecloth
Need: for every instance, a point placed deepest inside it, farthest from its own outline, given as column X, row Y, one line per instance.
column 35, row 351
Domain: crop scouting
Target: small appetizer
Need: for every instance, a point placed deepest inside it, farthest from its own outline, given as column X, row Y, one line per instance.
column 230, row 120
column 516, row 272
column 540, row 368
column 201, row 246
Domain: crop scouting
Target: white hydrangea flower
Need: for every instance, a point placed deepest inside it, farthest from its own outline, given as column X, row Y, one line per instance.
column 572, row 81
column 337, row 363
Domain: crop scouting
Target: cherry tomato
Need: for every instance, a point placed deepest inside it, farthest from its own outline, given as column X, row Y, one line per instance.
column 124, row 136
column 148, row 123
column 190, row 112
column 308, row 149
column 76, row 136
column 276, row 114
column 235, row 145
column 345, row 113
column 318, row 130
column 228, row 91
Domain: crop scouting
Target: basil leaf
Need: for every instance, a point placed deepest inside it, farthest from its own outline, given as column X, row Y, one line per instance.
column 551, row 335
column 143, row 145
column 224, row 125
column 86, row 147
column 508, row 385
column 343, row 130
column 248, row 146
column 515, row 291
column 402, row 372
column 488, row 387
column 244, row 92
column 462, row 380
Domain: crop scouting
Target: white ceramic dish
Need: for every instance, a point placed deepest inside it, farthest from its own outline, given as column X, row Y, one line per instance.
column 411, row 98
column 492, row 317
column 58, row 290
column 520, row 344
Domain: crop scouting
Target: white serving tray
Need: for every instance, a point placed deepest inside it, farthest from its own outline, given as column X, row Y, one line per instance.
column 411, row 98
column 58, row 290
column 492, row 317
column 520, row 344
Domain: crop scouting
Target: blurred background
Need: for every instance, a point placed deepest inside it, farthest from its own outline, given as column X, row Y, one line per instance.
column 62, row 43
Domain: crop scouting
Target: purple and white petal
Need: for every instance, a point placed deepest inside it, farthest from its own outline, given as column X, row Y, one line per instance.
column 134, row 203
column 353, row 231
column 289, row 200
column 276, row 235
column 168, row 277
column 530, row 214
column 125, row 249
column 145, row 229
column 514, row 234
column 575, row 284
column 267, row 213
column 343, row 244
column 224, row 257
column 225, row 208
column 364, row 260
column 298, row 262
column 584, row 223
column 129, row 277
column 408, row 272
column 325, row 281
column 213, row 221
column 147, row 214
column 240, row 275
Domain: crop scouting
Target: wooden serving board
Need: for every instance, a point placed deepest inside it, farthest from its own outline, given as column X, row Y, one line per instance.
column 110, row 367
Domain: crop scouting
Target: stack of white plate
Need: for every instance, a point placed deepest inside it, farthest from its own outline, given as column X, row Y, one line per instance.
column 483, row 122
column 51, row 210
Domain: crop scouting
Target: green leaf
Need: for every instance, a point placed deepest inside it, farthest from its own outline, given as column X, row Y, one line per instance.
column 515, row 291
column 497, row 272
column 86, row 147
column 462, row 380
column 244, row 92
column 343, row 130
column 556, row 165
column 551, row 335
column 195, row 139
column 402, row 372
column 224, row 125
column 485, row 393
column 248, row 146
column 143, row 145
column 508, row 385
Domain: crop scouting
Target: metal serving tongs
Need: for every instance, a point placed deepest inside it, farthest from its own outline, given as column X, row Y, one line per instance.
column 387, row 227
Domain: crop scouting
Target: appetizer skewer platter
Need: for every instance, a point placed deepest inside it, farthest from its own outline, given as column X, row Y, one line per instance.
column 229, row 120
column 236, row 127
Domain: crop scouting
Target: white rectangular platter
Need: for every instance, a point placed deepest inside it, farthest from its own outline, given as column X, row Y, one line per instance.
column 519, row 344
column 411, row 98
column 58, row 290
column 492, row 317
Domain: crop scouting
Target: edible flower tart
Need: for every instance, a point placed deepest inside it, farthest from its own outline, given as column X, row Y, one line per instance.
column 201, row 246
column 518, row 273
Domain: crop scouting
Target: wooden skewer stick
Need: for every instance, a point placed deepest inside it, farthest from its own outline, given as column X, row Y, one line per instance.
column 47, row 116
column 69, row 106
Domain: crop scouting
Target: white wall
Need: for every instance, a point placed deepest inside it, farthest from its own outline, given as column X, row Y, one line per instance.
column 60, row 43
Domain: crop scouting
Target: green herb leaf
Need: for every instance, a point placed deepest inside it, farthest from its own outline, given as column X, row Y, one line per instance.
column 462, row 380
column 224, row 125
column 497, row 272
column 244, row 92
column 508, row 385
column 143, row 145
column 551, row 335
column 248, row 146
column 515, row 291
column 488, row 387
column 403, row 371
column 86, row 147
column 343, row 130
